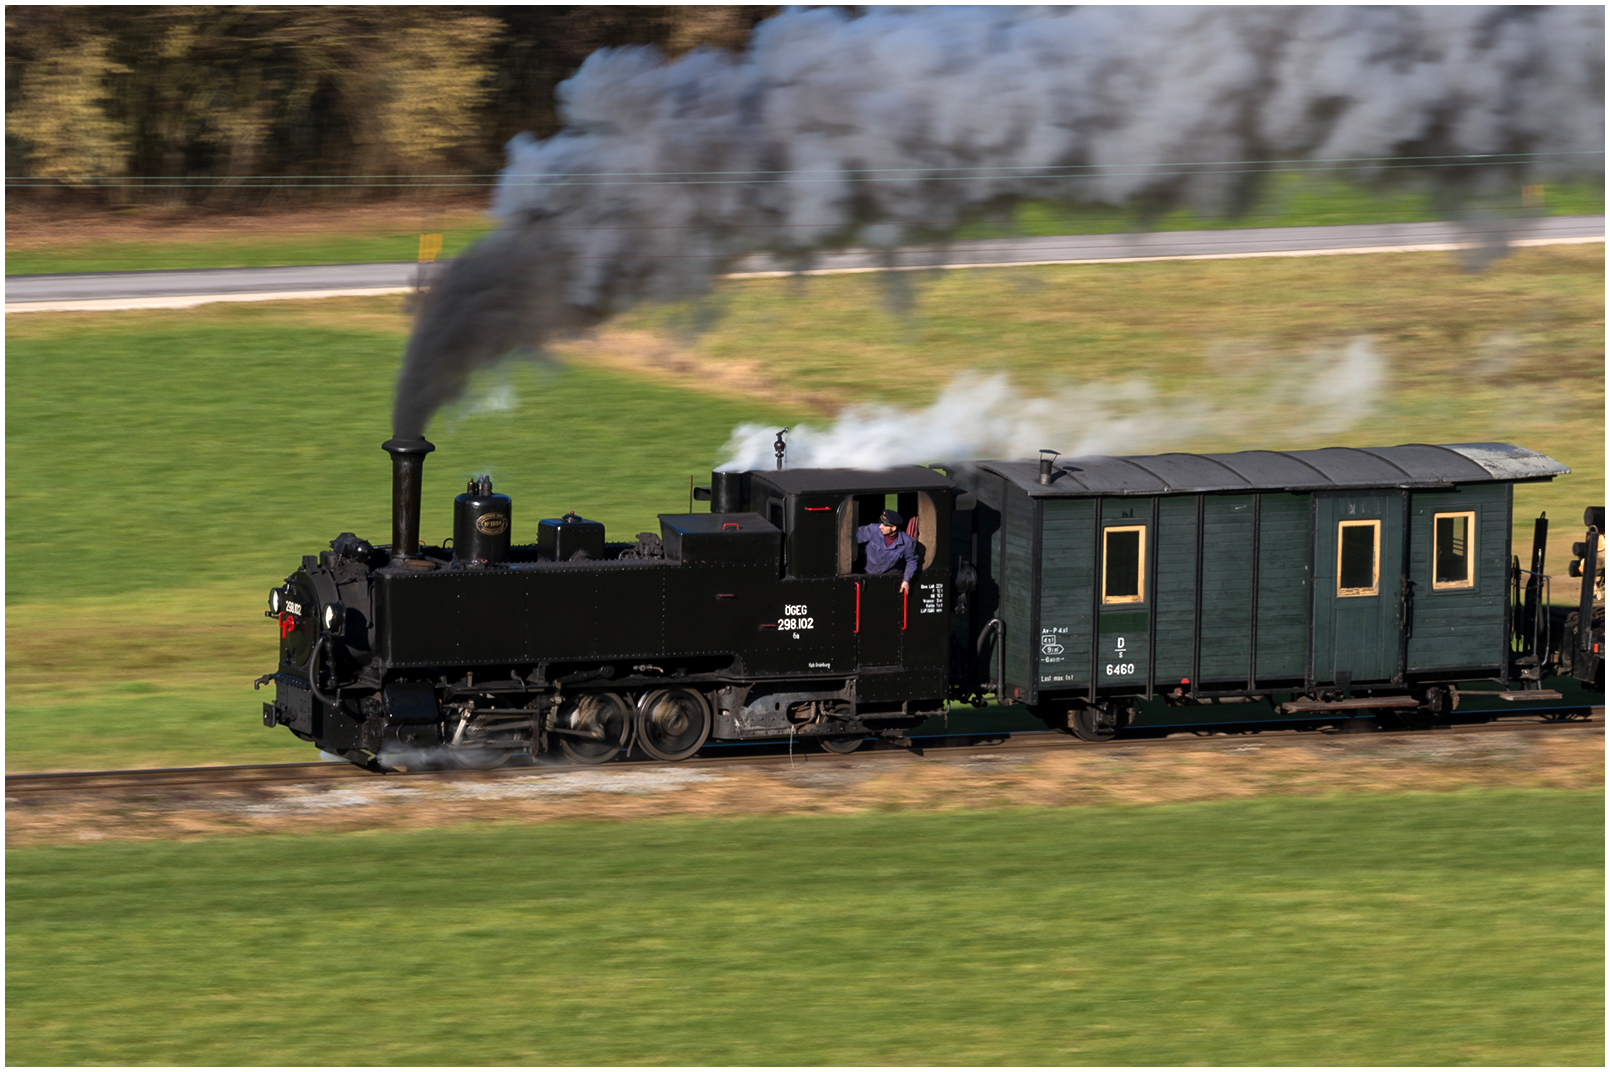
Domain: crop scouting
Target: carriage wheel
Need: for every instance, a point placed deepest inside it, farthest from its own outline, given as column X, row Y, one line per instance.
column 841, row 746
column 1099, row 723
column 603, row 716
column 673, row 723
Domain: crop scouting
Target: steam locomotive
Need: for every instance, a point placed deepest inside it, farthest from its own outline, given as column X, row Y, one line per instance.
column 1105, row 595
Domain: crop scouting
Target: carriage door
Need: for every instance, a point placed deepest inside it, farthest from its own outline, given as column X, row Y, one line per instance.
column 1358, row 589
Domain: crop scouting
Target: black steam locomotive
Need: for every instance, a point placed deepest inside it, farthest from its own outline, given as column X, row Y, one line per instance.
column 1105, row 594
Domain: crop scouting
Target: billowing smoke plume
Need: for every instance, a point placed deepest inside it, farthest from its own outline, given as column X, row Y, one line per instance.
column 897, row 123
column 980, row 416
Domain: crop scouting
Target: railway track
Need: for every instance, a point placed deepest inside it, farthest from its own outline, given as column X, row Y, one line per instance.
column 958, row 748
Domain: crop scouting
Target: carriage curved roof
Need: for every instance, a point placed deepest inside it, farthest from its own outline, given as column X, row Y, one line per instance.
column 1411, row 465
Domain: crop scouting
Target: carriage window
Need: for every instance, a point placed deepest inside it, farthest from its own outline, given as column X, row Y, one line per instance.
column 1358, row 553
column 1455, row 550
column 1123, row 578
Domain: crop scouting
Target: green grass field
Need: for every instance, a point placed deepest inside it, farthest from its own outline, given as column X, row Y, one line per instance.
column 165, row 469
column 1290, row 200
column 1464, row 929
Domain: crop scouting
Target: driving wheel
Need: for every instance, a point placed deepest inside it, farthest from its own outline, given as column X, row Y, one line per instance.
column 591, row 728
column 673, row 723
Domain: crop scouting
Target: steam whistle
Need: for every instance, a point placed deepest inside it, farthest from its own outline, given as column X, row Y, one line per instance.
column 781, row 448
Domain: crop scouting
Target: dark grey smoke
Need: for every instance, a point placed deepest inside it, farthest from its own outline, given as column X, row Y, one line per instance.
column 897, row 123
column 505, row 296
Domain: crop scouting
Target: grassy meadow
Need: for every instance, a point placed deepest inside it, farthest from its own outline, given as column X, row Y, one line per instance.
column 166, row 468
column 1454, row 929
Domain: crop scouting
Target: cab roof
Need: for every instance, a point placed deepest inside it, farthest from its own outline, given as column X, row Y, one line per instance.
column 853, row 481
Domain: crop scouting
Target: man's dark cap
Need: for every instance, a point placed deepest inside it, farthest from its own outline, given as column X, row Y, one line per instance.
column 890, row 517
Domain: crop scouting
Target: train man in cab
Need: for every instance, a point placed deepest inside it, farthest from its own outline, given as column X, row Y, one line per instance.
column 887, row 545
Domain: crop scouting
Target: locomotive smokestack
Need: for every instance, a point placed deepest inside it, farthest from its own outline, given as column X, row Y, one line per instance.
column 407, row 474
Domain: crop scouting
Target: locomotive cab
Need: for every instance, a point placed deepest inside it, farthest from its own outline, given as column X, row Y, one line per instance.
column 851, row 640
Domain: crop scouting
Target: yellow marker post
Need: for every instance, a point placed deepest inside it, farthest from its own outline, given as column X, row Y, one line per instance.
column 429, row 246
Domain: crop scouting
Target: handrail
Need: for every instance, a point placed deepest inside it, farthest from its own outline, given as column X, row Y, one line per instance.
column 999, row 628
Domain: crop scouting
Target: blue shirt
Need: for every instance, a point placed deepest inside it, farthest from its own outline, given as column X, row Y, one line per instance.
column 882, row 559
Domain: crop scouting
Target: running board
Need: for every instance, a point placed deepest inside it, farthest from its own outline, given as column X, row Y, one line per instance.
column 1358, row 703
column 1526, row 694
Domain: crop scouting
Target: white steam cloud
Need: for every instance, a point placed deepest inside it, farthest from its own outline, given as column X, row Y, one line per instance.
column 979, row 416
column 893, row 124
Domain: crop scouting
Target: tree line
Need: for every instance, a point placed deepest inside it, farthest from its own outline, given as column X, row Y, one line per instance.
column 232, row 106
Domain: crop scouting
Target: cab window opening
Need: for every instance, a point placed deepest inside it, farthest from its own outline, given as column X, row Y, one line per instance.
column 855, row 511
column 847, row 546
column 1453, row 554
column 1358, row 553
column 919, row 511
column 1123, row 575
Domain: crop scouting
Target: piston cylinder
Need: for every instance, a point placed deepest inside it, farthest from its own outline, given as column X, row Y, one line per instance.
column 481, row 522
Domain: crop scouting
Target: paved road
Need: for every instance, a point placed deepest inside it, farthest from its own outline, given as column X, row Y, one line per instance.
column 179, row 289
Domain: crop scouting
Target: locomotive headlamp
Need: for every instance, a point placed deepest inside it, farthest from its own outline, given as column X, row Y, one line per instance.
column 335, row 616
column 276, row 600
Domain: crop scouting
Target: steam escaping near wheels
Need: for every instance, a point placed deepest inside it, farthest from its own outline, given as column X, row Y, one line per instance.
column 879, row 128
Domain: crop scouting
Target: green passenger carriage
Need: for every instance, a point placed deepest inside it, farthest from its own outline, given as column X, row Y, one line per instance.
column 1336, row 577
